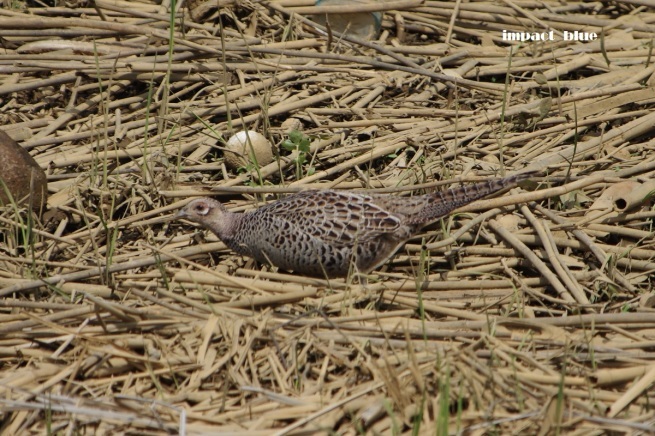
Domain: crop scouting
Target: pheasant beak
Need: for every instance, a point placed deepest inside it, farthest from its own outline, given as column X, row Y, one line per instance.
column 180, row 214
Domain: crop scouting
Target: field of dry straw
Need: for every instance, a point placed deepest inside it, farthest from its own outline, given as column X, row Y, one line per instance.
column 531, row 313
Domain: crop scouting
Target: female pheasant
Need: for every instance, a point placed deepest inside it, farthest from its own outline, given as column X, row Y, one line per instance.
column 325, row 233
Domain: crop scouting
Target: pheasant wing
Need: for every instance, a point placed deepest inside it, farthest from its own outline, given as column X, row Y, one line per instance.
column 335, row 217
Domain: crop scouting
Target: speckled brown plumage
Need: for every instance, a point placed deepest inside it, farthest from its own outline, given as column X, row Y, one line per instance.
column 325, row 233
